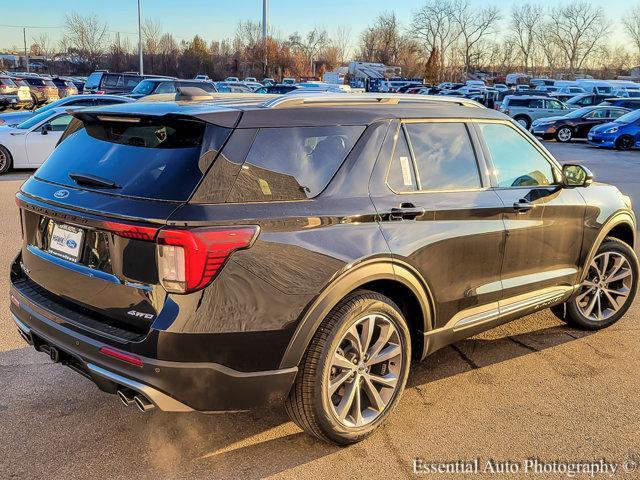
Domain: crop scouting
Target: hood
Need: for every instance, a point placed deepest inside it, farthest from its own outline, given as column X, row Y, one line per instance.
column 547, row 119
column 606, row 126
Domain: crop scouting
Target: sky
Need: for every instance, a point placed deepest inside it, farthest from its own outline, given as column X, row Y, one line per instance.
column 217, row 19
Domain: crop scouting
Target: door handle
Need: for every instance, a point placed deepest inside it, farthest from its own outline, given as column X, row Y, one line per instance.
column 522, row 206
column 406, row 211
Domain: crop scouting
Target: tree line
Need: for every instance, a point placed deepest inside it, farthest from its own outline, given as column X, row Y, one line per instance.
column 445, row 40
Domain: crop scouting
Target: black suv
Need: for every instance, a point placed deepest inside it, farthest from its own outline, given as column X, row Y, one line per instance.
column 303, row 250
column 103, row 81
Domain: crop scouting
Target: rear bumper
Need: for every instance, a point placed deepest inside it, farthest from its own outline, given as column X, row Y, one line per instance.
column 171, row 386
column 9, row 100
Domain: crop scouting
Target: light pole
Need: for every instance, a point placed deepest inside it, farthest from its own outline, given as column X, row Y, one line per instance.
column 140, row 41
column 265, row 6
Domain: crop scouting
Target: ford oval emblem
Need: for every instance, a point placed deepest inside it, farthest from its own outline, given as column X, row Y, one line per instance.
column 61, row 194
column 71, row 243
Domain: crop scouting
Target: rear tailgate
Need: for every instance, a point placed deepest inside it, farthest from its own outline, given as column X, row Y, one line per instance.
column 91, row 213
column 86, row 257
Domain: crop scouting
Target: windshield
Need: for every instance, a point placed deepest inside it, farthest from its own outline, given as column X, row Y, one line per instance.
column 145, row 87
column 36, row 119
column 629, row 117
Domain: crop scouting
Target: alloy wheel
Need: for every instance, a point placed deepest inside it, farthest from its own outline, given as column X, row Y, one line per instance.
column 523, row 122
column 625, row 143
column 564, row 134
column 606, row 288
column 365, row 371
column 3, row 160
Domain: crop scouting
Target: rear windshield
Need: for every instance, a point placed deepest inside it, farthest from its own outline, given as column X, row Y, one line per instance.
column 93, row 80
column 149, row 159
column 293, row 163
column 8, row 82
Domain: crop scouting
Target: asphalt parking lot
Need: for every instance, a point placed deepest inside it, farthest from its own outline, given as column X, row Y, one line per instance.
column 529, row 389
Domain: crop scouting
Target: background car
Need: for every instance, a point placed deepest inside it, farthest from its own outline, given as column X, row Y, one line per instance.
column 154, row 86
column 289, row 81
column 233, row 87
column 14, row 118
column 279, row 89
column 586, row 100
column 13, row 93
column 28, row 144
column 575, row 124
column 524, row 109
column 42, row 90
column 65, row 86
column 103, row 81
column 201, row 77
column 630, row 103
column 623, row 133
column 232, row 79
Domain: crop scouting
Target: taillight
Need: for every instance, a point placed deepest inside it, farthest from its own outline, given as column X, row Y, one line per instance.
column 132, row 231
column 100, row 92
column 188, row 259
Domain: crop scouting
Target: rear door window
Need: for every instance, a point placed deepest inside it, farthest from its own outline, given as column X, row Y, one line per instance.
column 111, row 80
column 157, row 159
column 293, row 163
column 444, row 156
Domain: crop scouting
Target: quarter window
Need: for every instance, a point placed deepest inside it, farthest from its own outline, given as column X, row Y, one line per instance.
column 516, row 161
column 444, row 156
column 401, row 176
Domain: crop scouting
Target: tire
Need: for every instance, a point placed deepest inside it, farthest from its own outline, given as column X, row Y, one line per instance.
column 612, row 298
column 524, row 121
column 6, row 160
column 625, row 142
column 311, row 405
column 564, row 134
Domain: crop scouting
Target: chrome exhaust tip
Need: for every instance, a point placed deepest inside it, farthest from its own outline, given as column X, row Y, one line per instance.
column 126, row 396
column 143, row 404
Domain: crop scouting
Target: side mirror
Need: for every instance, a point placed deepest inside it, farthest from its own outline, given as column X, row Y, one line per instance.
column 46, row 128
column 576, row 176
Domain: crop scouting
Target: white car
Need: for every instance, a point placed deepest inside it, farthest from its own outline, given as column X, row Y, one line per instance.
column 30, row 143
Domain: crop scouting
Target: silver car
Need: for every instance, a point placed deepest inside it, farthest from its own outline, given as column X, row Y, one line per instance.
column 524, row 109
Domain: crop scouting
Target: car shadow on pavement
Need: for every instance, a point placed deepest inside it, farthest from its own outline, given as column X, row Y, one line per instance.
column 101, row 432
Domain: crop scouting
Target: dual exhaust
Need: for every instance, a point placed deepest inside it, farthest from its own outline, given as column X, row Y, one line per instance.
column 128, row 396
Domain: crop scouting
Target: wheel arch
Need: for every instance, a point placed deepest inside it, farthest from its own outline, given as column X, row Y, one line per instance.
column 390, row 277
column 620, row 225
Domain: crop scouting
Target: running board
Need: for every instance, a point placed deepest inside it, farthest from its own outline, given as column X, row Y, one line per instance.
column 478, row 319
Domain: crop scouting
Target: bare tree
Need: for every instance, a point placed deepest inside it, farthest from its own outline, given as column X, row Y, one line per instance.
column 525, row 23
column 474, row 26
column 436, row 27
column 342, row 42
column 87, row 36
column 631, row 24
column 577, row 28
column 310, row 45
column 43, row 41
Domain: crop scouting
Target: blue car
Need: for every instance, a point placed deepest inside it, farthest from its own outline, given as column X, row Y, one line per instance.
column 623, row 133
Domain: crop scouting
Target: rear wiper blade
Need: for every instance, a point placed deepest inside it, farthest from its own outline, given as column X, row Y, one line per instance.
column 92, row 180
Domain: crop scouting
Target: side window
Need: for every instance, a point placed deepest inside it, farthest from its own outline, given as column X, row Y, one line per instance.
column 516, row 161
column 444, row 156
column 292, row 163
column 615, row 113
column 601, row 113
column 130, row 81
column 165, row 87
column 401, row 176
column 110, row 80
column 59, row 124
column 554, row 104
column 536, row 103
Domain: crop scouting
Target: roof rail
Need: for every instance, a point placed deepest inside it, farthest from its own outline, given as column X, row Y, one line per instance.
column 295, row 99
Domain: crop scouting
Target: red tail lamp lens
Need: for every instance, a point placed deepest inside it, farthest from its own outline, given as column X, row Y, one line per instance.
column 120, row 355
column 132, row 231
column 189, row 259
